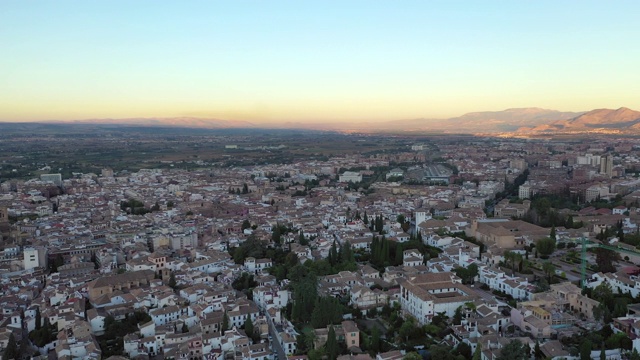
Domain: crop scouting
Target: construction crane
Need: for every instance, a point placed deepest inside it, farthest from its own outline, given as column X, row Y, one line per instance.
column 583, row 256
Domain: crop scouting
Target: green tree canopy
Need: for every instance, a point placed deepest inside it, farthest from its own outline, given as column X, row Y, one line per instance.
column 515, row 350
column 11, row 351
column 549, row 269
column 605, row 260
column 545, row 247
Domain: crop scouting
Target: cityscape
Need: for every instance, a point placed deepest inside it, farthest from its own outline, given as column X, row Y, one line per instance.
column 366, row 246
column 335, row 180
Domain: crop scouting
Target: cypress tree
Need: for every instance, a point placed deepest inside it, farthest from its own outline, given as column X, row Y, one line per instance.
column 537, row 351
column 38, row 319
column 11, row 351
column 225, row 322
column 477, row 355
column 332, row 344
column 317, row 315
column 248, row 327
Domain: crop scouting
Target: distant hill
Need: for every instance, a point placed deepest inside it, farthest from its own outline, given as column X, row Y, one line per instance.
column 480, row 122
column 518, row 121
column 506, row 120
column 622, row 120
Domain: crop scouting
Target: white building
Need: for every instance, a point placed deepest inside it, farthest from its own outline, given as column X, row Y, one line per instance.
column 524, row 191
column 34, row 257
column 427, row 295
column 619, row 282
column 422, row 216
column 257, row 265
column 54, row 178
column 412, row 257
column 350, row 176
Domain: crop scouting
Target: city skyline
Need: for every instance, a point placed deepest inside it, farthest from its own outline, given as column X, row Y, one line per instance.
column 313, row 62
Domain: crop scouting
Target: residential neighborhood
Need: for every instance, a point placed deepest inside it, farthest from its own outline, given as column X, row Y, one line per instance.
column 379, row 256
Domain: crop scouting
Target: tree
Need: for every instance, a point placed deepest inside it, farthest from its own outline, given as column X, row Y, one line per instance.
column 302, row 239
column 457, row 316
column 464, row 349
column 603, row 294
column 549, row 269
column 585, row 350
column 185, row 328
column 248, row 327
column 246, row 224
column 552, row 235
column 514, row 350
column 365, row 219
column 316, row 354
column 375, row 340
column 414, row 356
column 24, row 349
column 225, row 322
column 545, row 247
column 512, row 258
column 605, row 259
column 603, row 354
column 332, row 344
column 441, row 352
column 379, row 224
column 333, row 254
column 57, row 262
column 537, row 351
column 38, row 319
column 275, row 235
column 11, row 351
column 408, row 329
column 477, row 355
column 172, row 280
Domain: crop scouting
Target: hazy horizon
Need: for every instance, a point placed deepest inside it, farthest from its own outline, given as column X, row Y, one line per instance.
column 325, row 62
column 274, row 121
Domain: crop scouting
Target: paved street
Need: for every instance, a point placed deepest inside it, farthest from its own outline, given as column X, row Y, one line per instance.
column 275, row 344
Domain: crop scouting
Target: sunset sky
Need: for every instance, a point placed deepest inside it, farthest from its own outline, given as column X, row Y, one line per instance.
column 344, row 60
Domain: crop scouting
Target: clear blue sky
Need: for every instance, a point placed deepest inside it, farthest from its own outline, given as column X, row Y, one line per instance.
column 314, row 60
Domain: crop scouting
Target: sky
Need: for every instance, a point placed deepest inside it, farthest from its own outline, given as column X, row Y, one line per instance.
column 314, row 61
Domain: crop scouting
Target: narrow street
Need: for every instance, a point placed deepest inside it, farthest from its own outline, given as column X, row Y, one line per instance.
column 275, row 343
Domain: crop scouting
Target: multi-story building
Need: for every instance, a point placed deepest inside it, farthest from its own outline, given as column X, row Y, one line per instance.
column 35, row 257
column 350, row 176
column 606, row 165
column 54, row 178
column 108, row 284
column 426, row 295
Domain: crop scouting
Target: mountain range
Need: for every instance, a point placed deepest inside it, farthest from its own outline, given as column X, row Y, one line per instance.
column 519, row 121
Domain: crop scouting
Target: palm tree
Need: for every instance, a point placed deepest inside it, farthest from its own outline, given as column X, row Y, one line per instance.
column 508, row 256
column 512, row 258
column 549, row 269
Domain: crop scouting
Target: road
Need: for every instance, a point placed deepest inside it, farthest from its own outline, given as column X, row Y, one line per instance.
column 275, row 343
